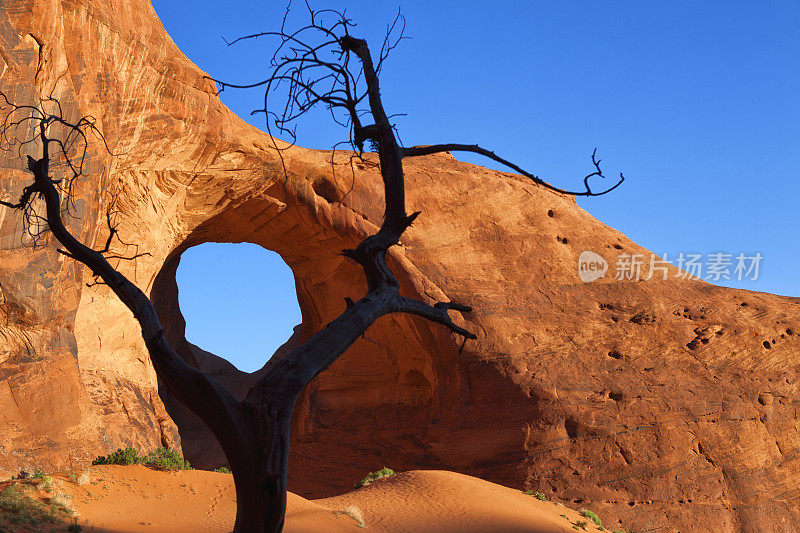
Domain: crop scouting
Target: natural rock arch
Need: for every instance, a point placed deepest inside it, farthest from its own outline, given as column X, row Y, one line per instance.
column 389, row 379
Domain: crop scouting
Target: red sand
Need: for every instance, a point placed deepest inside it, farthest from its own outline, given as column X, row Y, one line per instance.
column 123, row 499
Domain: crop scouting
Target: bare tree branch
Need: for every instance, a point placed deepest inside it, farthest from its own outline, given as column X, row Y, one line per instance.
column 436, row 313
column 416, row 151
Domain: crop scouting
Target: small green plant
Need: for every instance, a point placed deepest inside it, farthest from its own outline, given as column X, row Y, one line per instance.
column 580, row 524
column 123, row 456
column 538, row 495
column 44, row 482
column 372, row 476
column 591, row 516
column 223, row 470
column 166, row 459
column 38, row 475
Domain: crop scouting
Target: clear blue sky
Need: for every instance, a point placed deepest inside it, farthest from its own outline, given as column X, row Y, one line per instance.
column 696, row 102
column 230, row 312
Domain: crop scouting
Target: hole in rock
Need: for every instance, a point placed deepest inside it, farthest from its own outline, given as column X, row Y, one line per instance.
column 239, row 301
column 327, row 190
column 573, row 428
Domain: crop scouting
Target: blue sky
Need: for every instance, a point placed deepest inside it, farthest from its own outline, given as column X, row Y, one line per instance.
column 696, row 102
column 231, row 313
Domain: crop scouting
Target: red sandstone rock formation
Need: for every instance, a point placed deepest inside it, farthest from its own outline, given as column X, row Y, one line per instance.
column 657, row 402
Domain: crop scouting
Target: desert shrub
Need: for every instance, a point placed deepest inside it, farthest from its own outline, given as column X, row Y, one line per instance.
column 591, row 516
column 60, row 504
column 162, row 458
column 38, row 475
column 44, row 482
column 20, row 509
column 223, row 470
column 123, row 456
column 580, row 524
column 166, row 459
column 372, row 476
column 355, row 513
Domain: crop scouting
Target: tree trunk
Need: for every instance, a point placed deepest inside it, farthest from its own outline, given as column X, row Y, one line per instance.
column 259, row 472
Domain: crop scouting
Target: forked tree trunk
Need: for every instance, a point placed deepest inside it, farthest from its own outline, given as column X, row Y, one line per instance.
column 254, row 434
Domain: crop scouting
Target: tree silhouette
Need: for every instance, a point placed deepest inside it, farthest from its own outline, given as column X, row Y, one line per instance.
column 320, row 64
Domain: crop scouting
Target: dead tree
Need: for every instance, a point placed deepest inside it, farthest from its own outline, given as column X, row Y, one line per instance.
column 319, row 64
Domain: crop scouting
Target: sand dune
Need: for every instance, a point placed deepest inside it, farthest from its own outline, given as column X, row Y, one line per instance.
column 127, row 499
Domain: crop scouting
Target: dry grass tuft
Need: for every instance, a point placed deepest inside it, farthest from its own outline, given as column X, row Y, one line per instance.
column 355, row 513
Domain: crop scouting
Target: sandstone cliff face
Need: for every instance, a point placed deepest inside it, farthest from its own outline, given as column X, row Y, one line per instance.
column 656, row 402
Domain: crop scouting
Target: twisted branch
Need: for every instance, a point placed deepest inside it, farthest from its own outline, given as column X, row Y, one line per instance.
column 416, row 151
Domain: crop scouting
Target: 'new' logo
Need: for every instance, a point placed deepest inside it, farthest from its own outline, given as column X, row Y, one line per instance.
column 591, row 266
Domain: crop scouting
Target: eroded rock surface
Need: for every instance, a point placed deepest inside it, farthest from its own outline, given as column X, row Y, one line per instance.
column 657, row 403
